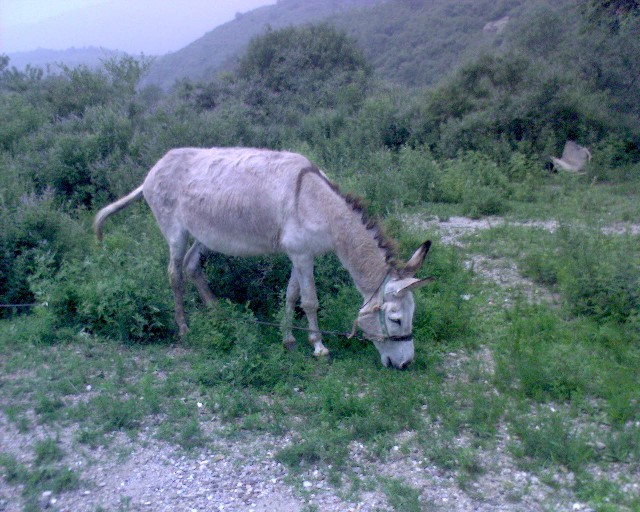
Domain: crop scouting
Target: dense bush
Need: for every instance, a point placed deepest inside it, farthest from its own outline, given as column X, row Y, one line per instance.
column 309, row 67
column 119, row 290
column 600, row 275
column 34, row 227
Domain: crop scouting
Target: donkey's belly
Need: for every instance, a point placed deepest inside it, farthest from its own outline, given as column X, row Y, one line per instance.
column 238, row 244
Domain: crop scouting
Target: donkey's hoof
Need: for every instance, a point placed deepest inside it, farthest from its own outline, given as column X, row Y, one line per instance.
column 289, row 344
column 321, row 351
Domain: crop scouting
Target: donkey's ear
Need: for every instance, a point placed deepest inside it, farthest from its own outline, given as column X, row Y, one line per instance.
column 411, row 283
column 414, row 264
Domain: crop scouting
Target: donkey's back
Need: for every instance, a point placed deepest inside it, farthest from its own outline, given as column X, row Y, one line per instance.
column 237, row 201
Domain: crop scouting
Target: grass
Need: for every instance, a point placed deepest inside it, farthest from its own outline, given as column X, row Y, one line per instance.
column 560, row 381
column 402, row 497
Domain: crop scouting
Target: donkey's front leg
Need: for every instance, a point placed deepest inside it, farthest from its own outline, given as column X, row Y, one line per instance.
column 309, row 303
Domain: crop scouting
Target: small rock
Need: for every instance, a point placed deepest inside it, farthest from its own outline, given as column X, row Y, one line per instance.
column 45, row 499
column 306, row 484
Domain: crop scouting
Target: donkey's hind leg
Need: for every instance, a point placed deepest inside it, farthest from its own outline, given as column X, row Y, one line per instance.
column 177, row 249
column 194, row 268
column 293, row 294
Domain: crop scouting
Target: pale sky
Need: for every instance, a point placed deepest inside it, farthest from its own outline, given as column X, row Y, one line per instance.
column 152, row 27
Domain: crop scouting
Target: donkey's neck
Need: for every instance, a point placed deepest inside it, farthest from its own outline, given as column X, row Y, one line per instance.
column 359, row 251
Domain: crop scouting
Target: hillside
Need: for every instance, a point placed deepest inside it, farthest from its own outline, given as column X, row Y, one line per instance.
column 202, row 58
column 411, row 42
column 417, row 42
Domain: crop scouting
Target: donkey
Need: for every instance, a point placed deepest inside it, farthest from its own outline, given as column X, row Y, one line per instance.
column 245, row 202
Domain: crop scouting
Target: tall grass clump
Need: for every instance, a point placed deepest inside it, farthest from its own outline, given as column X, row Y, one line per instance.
column 239, row 352
column 600, row 275
column 118, row 290
column 543, row 357
column 31, row 228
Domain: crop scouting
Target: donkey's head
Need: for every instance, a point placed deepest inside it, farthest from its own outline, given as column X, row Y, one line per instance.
column 387, row 317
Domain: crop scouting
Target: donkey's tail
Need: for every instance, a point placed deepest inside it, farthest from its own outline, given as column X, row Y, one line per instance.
column 107, row 211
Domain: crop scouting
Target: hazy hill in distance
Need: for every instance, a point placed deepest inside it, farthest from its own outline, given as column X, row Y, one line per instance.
column 73, row 57
column 205, row 56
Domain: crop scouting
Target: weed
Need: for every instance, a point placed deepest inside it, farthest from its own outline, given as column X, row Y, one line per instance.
column 190, row 435
column 545, row 355
column 400, row 496
column 599, row 275
column 49, row 409
column 551, row 439
column 603, row 494
column 43, row 477
column 48, row 451
column 13, row 470
column 91, row 436
column 317, row 445
column 622, row 444
column 113, row 413
column 486, row 409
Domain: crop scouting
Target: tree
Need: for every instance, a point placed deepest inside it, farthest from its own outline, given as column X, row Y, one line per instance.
column 309, row 66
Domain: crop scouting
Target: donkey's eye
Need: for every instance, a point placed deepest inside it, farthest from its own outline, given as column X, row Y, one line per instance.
column 396, row 321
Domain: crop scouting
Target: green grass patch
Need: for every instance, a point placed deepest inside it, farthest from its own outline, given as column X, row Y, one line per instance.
column 550, row 438
column 45, row 475
column 401, row 497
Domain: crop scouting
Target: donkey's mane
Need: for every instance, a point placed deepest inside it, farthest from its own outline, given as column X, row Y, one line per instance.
column 357, row 204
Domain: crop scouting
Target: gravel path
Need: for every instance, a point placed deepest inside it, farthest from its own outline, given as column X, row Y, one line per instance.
column 144, row 474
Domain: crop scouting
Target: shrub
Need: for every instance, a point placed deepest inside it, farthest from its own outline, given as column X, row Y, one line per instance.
column 600, row 275
column 120, row 290
column 19, row 119
column 258, row 281
column 240, row 352
column 305, row 66
column 418, row 172
column 615, row 160
column 475, row 181
column 33, row 228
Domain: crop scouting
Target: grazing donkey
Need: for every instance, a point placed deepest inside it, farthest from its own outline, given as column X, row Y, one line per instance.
column 243, row 202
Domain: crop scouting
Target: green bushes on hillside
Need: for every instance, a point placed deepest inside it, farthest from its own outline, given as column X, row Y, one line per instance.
column 477, row 141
